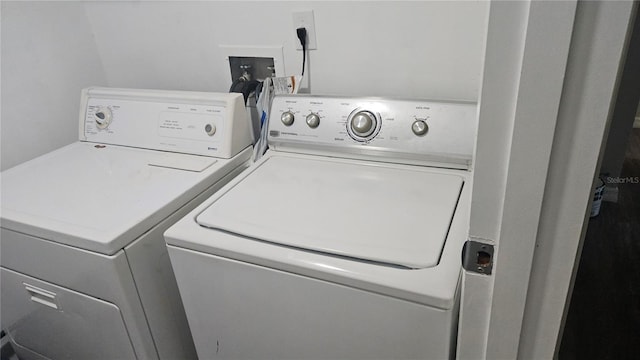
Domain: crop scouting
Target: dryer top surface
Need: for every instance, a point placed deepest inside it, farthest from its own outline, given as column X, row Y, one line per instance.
column 99, row 197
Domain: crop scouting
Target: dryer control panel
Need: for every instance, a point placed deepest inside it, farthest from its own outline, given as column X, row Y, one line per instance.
column 404, row 131
column 212, row 124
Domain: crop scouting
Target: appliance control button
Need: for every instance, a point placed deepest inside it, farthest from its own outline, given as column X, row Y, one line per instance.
column 419, row 127
column 103, row 117
column 210, row 129
column 287, row 118
column 363, row 123
column 313, row 120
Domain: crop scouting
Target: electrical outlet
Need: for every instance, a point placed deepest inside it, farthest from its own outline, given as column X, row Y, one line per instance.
column 305, row 19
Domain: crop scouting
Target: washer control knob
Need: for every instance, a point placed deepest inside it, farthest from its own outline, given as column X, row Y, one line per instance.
column 103, row 117
column 313, row 120
column 363, row 123
column 419, row 127
column 287, row 118
column 210, row 129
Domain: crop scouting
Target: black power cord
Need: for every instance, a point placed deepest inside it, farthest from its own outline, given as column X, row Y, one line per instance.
column 244, row 85
column 302, row 36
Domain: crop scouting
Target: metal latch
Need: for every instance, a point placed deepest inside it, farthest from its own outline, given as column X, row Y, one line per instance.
column 477, row 257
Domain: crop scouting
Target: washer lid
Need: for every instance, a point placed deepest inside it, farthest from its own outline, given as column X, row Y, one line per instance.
column 392, row 214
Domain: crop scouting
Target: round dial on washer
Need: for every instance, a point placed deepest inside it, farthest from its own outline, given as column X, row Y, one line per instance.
column 103, row 117
column 363, row 123
column 313, row 120
column 419, row 127
column 287, row 118
column 210, row 129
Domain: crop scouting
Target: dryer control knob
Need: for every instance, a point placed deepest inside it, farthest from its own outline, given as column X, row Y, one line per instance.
column 103, row 117
column 419, row 127
column 363, row 123
column 210, row 129
column 313, row 120
column 287, row 118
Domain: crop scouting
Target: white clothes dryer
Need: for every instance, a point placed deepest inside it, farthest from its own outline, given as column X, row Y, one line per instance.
column 342, row 242
column 84, row 268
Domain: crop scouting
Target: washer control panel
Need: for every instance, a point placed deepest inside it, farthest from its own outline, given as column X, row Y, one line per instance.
column 213, row 124
column 397, row 130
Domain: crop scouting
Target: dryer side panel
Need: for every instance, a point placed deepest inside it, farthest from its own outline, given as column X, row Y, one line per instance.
column 156, row 284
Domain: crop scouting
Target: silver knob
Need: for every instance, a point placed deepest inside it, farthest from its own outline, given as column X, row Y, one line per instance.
column 287, row 118
column 210, row 129
column 419, row 127
column 103, row 117
column 363, row 123
column 313, row 120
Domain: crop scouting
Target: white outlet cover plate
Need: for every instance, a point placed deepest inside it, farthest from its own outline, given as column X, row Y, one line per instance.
column 274, row 52
column 305, row 19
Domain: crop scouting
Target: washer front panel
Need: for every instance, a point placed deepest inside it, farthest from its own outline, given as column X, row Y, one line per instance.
column 282, row 315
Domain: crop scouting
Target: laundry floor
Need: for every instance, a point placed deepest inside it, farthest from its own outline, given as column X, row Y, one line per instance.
column 604, row 316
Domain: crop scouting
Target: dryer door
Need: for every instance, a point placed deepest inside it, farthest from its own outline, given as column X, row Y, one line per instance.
column 59, row 323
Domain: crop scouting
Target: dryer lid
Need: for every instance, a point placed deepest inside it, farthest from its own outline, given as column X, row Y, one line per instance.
column 391, row 214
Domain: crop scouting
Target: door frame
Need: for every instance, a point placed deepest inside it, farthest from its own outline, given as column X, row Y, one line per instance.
column 550, row 75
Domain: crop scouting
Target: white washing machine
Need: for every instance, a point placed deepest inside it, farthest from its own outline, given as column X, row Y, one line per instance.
column 342, row 242
column 84, row 267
